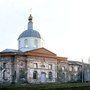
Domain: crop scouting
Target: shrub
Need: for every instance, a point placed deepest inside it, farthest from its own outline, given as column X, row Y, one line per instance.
column 53, row 86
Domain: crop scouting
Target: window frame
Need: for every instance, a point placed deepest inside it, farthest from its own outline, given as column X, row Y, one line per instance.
column 35, row 75
column 50, row 66
column 35, row 65
column 26, row 43
column 35, row 43
column 50, row 75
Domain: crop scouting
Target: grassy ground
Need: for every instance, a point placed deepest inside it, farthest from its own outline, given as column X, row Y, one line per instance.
column 52, row 86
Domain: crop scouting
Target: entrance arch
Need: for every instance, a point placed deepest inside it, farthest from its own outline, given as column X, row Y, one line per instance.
column 43, row 77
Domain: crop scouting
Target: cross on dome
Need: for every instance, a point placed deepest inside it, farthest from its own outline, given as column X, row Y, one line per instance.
column 30, row 17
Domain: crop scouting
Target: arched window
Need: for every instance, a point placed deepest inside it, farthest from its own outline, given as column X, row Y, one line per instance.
column 50, row 75
column 35, row 74
column 4, row 65
column 22, row 73
column 4, row 69
column 26, row 43
column 36, row 43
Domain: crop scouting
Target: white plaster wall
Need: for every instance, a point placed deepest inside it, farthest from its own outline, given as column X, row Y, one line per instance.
column 31, row 45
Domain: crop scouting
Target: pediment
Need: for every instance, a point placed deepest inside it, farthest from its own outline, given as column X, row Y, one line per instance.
column 41, row 51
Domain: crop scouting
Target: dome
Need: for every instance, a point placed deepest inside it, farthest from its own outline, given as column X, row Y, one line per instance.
column 29, row 39
column 30, row 33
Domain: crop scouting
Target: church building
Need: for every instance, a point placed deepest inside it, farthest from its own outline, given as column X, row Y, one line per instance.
column 31, row 63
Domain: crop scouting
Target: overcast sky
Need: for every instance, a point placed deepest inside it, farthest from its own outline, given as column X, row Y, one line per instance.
column 63, row 24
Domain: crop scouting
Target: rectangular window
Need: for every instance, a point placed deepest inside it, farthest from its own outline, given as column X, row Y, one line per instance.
column 76, row 68
column 70, row 68
column 35, row 65
column 50, row 66
column 63, row 68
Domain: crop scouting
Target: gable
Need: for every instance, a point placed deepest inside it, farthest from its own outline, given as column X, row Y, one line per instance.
column 41, row 51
